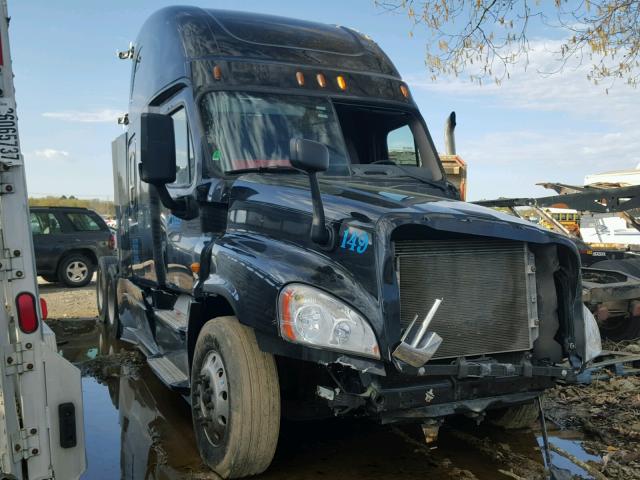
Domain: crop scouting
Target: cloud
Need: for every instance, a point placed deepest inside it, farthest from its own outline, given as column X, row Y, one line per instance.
column 553, row 127
column 541, row 86
column 98, row 116
column 51, row 154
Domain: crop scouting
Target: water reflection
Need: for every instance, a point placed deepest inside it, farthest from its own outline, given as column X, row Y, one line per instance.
column 136, row 428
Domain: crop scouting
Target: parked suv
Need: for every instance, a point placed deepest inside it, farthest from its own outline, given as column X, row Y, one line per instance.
column 68, row 242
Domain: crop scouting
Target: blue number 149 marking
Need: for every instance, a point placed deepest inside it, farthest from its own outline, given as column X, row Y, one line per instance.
column 355, row 241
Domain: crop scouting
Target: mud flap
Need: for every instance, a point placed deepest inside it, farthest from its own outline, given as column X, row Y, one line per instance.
column 64, row 388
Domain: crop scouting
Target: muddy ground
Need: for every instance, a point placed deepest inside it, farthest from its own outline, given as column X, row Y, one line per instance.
column 136, row 428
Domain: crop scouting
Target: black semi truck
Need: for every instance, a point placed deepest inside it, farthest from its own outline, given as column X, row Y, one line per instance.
column 289, row 244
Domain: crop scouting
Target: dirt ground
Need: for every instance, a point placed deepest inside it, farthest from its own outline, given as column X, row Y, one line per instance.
column 594, row 429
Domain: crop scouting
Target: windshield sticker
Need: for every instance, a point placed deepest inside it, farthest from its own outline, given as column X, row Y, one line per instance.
column 355, row 240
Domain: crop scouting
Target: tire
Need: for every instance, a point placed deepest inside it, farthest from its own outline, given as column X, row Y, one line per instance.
column 50, row 278
column 235, row 398
column 625, row 327
column 113, row 326
column 102, row 281
column 514, row 418
column 76, row 270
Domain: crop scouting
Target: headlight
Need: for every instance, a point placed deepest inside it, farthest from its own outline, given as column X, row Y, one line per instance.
column 311, row 317
column 593, row 346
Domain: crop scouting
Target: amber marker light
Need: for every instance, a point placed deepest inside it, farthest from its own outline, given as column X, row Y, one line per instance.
column 217, row 72
column 195, row 268
column 300, row 78
column 342, row 83
column 404, row 90
column 286, row 326
column 322, row 80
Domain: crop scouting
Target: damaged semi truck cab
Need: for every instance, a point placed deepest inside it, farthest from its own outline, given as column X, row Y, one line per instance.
column 289, row 243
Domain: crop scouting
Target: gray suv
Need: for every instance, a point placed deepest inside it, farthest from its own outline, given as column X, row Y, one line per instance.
column 68, row 242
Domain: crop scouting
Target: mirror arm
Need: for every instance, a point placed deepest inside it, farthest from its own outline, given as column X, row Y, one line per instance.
column 183, row 207
column 320, row 233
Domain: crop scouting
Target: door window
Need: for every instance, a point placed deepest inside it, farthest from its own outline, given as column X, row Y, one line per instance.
column 184, row 149
column 44, row 224
column 83, row 222
column 402, row 147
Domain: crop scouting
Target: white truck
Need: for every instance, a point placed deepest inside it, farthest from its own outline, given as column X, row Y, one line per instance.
column 41, row 421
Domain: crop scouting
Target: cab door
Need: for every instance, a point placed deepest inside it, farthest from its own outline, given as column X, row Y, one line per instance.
column 182, row 239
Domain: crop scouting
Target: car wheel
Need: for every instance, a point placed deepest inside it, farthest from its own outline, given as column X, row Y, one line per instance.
column 514, row 418
column 235, row 400
column 113, row 326
column 76, row 270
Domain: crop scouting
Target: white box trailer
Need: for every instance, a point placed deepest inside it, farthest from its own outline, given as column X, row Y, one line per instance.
column 41, row 417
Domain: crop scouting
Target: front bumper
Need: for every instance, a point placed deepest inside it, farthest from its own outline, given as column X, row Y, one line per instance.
column 443, row 390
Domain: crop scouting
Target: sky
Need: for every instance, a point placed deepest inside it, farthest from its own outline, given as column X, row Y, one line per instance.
column 71, row 87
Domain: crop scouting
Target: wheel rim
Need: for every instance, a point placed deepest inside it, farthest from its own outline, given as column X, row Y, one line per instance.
column 77, row 271
column 211, row 398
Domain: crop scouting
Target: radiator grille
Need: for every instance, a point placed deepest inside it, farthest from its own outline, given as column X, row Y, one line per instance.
column 484, row 286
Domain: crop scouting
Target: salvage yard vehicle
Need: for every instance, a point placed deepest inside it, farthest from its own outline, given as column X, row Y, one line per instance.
column 41, row 410
column 278, row 256
column 68, row 242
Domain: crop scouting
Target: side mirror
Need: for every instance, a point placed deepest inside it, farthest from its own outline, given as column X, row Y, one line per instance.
column 158, row 162
column 308, row 156
column 157, row 149
column 313, row 157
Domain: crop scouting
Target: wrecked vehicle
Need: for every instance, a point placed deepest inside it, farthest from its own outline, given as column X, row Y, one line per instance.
column 289, row 244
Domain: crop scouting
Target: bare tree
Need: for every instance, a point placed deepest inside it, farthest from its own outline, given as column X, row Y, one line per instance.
column 486, row 38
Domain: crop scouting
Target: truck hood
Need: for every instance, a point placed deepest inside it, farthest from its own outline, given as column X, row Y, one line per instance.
column 371, row 203
column 269, row 223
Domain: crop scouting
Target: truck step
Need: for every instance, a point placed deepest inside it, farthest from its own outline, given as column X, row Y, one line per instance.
column 168, row 372
column 174, row 319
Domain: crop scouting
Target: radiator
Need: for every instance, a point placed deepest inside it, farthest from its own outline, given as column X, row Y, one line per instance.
column 488, row 287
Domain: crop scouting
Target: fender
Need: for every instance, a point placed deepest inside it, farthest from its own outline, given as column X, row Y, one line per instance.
column 248, row 272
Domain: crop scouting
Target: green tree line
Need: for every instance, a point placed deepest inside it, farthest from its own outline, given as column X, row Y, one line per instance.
column 103, row 207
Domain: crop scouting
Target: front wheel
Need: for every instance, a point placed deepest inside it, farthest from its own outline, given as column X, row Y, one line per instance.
column 235, row 400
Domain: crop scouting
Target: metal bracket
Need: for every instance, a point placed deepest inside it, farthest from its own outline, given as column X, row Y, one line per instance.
column 18, row 358
column 6, row 179
column 11, row 264
column 127, row 54
column 532, row 294
column 25, row 443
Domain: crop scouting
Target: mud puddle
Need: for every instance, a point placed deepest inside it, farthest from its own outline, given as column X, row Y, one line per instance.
column 136, row 428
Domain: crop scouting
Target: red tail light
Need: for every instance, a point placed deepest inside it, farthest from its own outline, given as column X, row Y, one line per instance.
column 27, row 312
column 112, row 242
column 44, row 309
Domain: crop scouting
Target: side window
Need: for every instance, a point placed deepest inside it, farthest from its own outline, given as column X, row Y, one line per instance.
column 184, row 149
column 83, row 222
column 45, row 224
column 36, row 226
column 402, row 147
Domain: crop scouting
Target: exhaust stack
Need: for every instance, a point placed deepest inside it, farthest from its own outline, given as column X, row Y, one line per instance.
column 449, row 134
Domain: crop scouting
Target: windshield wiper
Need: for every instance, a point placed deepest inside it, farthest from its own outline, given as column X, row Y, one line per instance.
column 271, row 169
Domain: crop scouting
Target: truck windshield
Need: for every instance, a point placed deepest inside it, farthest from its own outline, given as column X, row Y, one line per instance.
column 253, row 130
